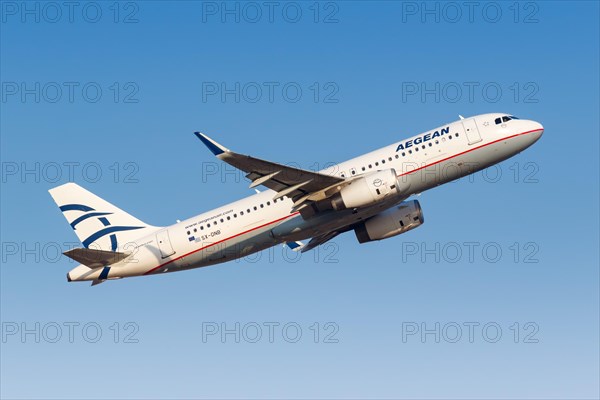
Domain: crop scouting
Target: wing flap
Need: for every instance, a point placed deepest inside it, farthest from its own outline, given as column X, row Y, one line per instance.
column 259, row 180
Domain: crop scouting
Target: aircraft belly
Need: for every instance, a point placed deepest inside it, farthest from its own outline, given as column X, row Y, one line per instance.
column 228, row 250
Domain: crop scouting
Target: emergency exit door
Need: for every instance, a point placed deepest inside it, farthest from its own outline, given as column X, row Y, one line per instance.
column 164, row 243
column 471, row 130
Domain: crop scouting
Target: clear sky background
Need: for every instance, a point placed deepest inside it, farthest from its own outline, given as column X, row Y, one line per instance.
column 108, row 94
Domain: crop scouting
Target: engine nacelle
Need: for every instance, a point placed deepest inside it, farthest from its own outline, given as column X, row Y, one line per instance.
column 394, row 221
column 367, row 190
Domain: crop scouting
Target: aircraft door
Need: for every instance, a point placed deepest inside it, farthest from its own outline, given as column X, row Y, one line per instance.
column 164, row 243
column 471, row 130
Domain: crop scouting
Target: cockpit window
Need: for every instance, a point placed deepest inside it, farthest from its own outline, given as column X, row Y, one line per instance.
column 505, row 118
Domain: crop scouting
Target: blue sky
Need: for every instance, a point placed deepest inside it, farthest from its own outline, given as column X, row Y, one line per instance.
column 108, row 96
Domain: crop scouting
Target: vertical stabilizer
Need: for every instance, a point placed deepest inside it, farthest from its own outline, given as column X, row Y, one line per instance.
column 97, row 223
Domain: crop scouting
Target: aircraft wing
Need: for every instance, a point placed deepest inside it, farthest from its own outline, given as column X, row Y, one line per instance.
column 324, row 238
column 319, row 240
column 298, row 184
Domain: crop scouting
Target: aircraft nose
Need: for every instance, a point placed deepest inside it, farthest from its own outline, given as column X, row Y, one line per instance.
column 536, row 129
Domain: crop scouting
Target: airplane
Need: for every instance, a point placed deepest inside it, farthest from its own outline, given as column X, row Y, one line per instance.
column 369, row 195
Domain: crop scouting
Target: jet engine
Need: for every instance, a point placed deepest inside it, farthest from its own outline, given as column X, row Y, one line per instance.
column 368, row 189
column 391, row 222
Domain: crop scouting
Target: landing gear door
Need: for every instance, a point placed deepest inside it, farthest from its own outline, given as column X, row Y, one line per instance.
column 164, row 243
column 471, row 130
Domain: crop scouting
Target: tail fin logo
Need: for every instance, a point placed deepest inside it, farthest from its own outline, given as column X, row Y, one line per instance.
column 108, row 229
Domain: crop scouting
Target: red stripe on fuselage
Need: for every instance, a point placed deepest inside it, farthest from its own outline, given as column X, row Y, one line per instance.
column 221, row 241
column 467, row 151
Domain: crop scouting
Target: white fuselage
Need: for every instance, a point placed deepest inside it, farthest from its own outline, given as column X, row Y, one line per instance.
column 257, row 222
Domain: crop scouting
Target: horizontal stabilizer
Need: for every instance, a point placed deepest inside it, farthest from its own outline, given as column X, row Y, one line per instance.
column 95, row 258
